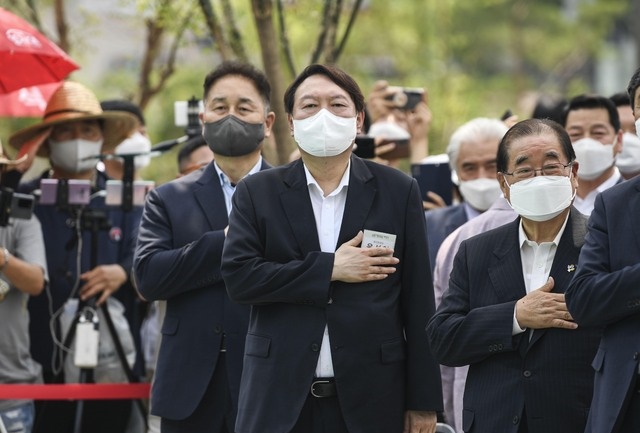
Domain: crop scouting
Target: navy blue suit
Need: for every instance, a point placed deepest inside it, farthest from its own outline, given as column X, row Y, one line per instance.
column 272, row 260
column 606, row 291
column 178, row 259
column 549, row 376
column 440, row 224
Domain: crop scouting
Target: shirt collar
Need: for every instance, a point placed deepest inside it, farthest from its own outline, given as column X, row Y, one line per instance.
column 344, row 182
column 522, row 236
column 224, row 179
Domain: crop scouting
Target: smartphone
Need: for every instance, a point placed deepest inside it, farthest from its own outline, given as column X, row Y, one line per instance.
column 140, row 190
column 365, row 147
column 436, row 177
column 400, row 151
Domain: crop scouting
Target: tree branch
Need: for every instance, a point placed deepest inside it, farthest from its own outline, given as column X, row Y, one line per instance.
column 284, row 39
column 235, row 37
column 215, row 29
column 337, row 52
column 323, row 32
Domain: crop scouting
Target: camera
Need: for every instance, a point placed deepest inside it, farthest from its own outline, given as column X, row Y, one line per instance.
column 406, row 98
column 15, row 205
column 185, row 113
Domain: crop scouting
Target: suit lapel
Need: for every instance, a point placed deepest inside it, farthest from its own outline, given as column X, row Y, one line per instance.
column 506, row 271
column 360, row 197
column 208, row 193
column 297, row 207
column 634, row 209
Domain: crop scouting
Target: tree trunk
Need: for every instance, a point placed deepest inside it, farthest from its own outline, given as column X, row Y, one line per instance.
column 263, row 15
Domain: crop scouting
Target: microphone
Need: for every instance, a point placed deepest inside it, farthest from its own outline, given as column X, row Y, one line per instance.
column 163, row 146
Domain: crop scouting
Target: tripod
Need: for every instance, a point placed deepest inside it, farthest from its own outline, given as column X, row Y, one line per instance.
column 96, row 221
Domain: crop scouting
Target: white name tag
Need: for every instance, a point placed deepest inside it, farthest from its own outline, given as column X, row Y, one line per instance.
column 374, row 239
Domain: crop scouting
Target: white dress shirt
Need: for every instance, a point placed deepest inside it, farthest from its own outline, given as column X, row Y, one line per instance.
column 328, row 212
column 536, row 264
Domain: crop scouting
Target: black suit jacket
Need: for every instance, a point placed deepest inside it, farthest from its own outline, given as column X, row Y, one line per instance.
column 606, row 292
column 272, row 261
column 548, row 375
column 178, row 259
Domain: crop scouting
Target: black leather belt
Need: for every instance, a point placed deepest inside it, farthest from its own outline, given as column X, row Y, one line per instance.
column 321, row 388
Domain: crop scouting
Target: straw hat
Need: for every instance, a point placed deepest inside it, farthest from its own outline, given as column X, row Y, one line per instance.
column 71, row 102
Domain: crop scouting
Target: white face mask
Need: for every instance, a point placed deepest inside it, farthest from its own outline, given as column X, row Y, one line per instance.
column 541, row 197
column 136, row 143
column 69, row 155
column 628, row 161
column 594, row 157
column 480, row 193
column 324, row 133
column 638, row 127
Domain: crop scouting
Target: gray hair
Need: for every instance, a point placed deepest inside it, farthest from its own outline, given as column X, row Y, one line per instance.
column 480, row 128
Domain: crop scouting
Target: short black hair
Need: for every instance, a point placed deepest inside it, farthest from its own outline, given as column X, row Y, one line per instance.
column 634, row 83
column 531, row 127
column 549, row 107
column 335, row 74
column 590, row 102
column 123, row 105
column 189, row 147
column 250, row 72
column 620, row 99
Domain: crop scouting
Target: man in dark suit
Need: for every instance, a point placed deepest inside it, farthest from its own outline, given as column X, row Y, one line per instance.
column 472, row 156
column 178, row 259
column 336, row 339
column 504, row 312
column 606, row 292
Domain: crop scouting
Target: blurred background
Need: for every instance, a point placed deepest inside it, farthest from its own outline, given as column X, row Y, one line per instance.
column 474, row 58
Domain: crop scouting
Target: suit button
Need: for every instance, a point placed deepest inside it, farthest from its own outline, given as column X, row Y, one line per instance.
column 526, row 373
column 217, row 329
column 516, row 419
column 635, row 356
column 315, row 347
column 330, row 301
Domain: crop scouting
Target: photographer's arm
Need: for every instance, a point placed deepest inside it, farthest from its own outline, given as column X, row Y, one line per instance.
column 419, row 121
column 26, row 277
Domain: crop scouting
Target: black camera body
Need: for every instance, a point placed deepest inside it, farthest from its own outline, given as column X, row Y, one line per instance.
column 406, row 98
column 14, row 205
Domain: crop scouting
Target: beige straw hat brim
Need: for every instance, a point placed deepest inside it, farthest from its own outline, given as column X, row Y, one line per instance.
column 74, row 102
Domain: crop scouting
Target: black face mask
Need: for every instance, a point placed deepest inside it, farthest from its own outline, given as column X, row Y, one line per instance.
column 231, row 136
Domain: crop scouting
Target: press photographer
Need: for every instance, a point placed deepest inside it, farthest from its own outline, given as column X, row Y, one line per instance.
column 23, row 274
column 73, row 128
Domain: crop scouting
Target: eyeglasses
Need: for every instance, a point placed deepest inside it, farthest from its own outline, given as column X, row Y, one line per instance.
column 555, row 169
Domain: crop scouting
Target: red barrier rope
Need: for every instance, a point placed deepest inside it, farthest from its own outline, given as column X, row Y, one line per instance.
column 76, row 391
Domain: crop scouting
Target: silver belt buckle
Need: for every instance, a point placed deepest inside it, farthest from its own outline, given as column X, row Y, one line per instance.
column 313, row 386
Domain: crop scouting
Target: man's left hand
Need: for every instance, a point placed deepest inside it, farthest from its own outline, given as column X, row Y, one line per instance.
column 419, row 422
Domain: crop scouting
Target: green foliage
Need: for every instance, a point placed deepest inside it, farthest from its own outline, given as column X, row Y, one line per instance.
column 476, row 58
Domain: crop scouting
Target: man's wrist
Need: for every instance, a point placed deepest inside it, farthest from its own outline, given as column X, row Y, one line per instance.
column 6, row 258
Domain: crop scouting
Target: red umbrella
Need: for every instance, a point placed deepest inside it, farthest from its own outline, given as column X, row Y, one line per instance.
column 28, row 101
column 27, row 57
